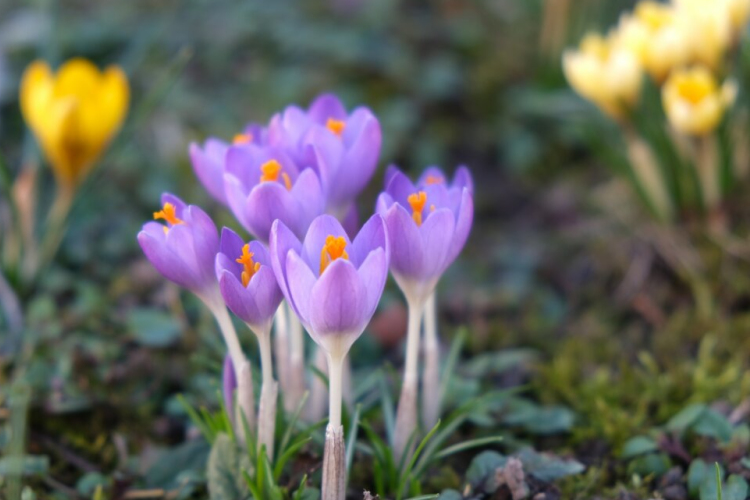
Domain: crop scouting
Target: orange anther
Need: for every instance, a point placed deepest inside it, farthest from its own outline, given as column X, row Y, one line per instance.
column 336, row 126
column 169, row 214
column 417, row 202
column 250, row 267
column 242, row 139
column 334, row 248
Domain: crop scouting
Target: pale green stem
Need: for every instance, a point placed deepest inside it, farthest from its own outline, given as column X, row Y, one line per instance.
column 335, row 380
column 230, row 335
column 431, row 390
column 406, row 415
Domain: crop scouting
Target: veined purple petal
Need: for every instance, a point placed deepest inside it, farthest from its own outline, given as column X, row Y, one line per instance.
column 465, row 217
column 373, row 273
column 358, row 164
column 400, row 188
column 281, row 241
column 408, row 252
column 437, row 233
column 268, row 202
column 310, row 198
column 338, row 301
column 462, row 179
column 351, row 221
column 300, row 280
column 372, row 235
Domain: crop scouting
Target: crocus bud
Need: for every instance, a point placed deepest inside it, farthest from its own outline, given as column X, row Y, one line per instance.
column 694, row 102
column 605, row 73
column 74, row 114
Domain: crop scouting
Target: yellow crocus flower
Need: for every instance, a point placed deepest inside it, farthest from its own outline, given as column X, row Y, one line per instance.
column 654, row 35
column 708, row 27
column 73, row 114
column 694, row 102
column 605, row 73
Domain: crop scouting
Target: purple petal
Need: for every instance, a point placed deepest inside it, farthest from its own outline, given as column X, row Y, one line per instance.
column 238, row 299
column 179, row 205
column 160, row 255
column 205, row 239
column 300, row 280
column 268, row 202
column 208, row 164
column 236, row 194
column 437, row 232
column 405, row 242
column 327, row 106
column 351, row 221
column 462, row 179
column 358, row 164
column 390, row 171
column 338, row 301
column 374, row 272
column 281, row 241
column 464, row 220
column 372, row 236
column 400, row 188
column 310, row 199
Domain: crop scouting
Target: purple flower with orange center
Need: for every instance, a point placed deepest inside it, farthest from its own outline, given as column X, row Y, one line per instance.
column 183, row 247
column 247, row 281
column 208, row 160
column 249, row 288
column 342, row 147
column 334, row 285
column 263, row 184
column 183, row 250
column 428, row 224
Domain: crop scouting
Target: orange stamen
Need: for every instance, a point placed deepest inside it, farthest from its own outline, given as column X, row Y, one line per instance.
column 169, row 214
column 434, row 179
column 251, row 267
column 242, row 139
column 334, row 248
column 271, row 171
column 336, row 126
column 417, row 201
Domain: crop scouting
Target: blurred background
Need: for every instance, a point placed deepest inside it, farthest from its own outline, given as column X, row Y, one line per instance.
column 561, row 259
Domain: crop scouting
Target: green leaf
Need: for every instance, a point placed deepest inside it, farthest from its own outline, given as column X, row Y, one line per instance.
column 189, row 456
column 696, row 475
column 713, row 424
column 735, row 488
column 152, row 327
column 686, row 418
column 651, row 464
column 639, row 445
column 537, row 419
column 24, row 465
column 548, row 467
column 224, row 470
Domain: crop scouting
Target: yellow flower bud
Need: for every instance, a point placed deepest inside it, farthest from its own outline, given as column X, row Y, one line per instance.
column 694, row 102
column 73, row 114
column 708, row 27
column 654, row 35
column 605, row 73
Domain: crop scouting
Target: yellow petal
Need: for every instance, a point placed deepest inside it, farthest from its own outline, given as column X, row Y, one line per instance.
column 36, row 92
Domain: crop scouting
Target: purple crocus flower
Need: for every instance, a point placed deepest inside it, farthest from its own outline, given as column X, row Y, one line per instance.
column 342, row 147
column 208, row 160
column 332, row 283
column 263, row 184
column 247, row 281
column 183, row 249
column 428, row 225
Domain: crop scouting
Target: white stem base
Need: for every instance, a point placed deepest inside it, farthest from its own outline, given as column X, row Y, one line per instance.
column 334, row 464
column 245, row 400
column 281, row 354
column 267, row 416
column 316, row 407
column 431, row 389
column 296, row 361
column 406, row 415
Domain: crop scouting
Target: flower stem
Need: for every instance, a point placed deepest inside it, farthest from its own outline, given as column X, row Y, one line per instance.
column 406, row 415
column 335, row 380
column 296, row 358
column 268, row 395
column 245, row 400
column 230, row 335
column 281, row 352
column 334, row 464
column 431, row 390
column 318, row 391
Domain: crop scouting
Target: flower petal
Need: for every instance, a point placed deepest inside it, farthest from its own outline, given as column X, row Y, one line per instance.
column 338, row 301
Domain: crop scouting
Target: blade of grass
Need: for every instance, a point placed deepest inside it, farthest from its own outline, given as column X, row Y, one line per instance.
column 466, row 445
column 293, row 422
column 288, row 453
column 388, row 413
column 406, row 473
column 352, row 440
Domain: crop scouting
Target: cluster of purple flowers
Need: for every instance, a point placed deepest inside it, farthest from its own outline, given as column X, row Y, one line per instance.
column 293, row 185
